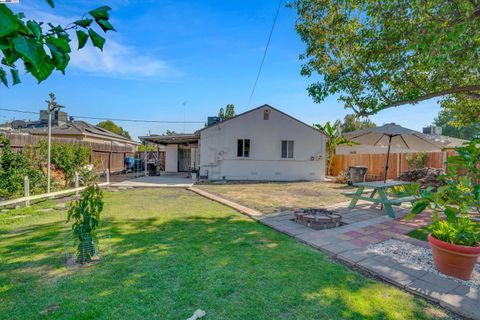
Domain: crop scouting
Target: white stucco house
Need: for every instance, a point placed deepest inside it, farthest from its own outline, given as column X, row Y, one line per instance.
column 262, row 144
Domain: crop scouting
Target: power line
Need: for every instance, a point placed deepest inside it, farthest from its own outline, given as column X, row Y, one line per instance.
column 265, row 52
column 105, row 119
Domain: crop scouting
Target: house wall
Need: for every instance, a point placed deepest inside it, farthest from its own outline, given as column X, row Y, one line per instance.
column 171, row 158
column 218, row 149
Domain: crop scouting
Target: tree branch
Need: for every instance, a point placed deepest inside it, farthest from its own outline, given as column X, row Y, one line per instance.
column 468, row 90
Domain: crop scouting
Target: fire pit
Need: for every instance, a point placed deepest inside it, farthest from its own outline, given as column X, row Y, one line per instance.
column 317, row 218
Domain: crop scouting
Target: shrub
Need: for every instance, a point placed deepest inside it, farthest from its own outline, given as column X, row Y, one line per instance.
column 85, row 214
column 67, row 157
column 458, row 199
column 14, row 166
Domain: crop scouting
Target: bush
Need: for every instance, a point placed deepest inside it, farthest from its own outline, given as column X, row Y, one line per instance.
column 417, row 162
column 14, row 166
column 458, row 199
column 67, row 157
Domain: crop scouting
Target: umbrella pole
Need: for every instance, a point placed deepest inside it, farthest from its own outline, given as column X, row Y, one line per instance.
column 388, row 158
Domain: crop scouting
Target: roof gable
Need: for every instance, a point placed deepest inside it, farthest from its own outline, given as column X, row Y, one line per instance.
column 258, row 108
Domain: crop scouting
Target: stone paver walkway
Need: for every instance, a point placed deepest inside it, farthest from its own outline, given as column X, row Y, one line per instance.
column 349, row 244
column 366, row 226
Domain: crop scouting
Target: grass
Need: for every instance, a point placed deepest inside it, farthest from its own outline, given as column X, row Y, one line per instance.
column 173, row 252
column 422, row 233
column 274, row 197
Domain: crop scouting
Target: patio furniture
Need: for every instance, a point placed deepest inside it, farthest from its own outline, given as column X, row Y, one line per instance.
column 380, row 188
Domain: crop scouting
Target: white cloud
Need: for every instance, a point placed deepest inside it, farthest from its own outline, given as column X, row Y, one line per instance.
column 117, row 60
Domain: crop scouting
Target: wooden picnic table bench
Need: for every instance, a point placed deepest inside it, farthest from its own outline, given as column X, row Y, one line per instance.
column 378, row 187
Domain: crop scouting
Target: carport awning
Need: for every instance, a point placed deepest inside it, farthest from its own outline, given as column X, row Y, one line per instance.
column 171, row 139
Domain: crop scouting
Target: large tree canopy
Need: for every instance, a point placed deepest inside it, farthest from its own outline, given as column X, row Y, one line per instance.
column 42, row 46
column 382, row 54
column 113, row 127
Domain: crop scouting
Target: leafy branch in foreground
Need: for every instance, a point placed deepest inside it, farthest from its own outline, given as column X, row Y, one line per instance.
column 382, row 54
column 44, row 47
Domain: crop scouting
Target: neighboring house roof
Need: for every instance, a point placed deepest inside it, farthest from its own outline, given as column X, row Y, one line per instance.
column 76, row 128
column 445, row 141
column 254, row 109
column 171, row 139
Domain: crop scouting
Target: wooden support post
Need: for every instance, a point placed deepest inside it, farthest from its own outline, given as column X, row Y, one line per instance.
column 77, row 184
column 145, row 158
column 26, row 188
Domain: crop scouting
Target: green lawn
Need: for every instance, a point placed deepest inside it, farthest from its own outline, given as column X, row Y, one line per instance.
column 270, row 197
column 173, row 252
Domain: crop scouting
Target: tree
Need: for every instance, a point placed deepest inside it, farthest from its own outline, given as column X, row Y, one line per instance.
column 169, row 132
column 229, row 111
column 44, row 47
column 334, row 139
column 351, row 122
column 221, row 113
column 112, row 127
column 446, row 121
column 383, row 54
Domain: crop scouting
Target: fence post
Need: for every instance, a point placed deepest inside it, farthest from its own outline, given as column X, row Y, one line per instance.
column 77, row 184
column 26, row 188
column 107, row 173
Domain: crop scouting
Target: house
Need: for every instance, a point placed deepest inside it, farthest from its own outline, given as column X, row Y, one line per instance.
column 109, row 150
column 262, row 144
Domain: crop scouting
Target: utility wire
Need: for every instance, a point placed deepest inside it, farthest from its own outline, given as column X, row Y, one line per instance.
column 112, row 119
column 265, row 52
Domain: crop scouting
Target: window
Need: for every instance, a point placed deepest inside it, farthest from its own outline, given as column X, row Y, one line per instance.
column 243, row 148
column 266, row 114
column 287, row 149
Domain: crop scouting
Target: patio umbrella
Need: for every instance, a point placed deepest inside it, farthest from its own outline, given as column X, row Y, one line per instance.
column 393, row 135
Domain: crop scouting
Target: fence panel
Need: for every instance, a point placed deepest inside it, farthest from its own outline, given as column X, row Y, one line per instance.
column 376, row 163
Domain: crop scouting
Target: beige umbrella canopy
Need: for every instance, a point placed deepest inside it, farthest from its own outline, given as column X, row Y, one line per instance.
column 393, row 135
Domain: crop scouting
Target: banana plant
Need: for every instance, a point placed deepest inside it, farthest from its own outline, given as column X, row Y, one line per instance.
column 334, row 139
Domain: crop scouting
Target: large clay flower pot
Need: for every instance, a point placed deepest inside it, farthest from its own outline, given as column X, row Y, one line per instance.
column 454, row 260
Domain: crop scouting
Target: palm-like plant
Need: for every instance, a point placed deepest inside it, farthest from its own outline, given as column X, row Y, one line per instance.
column 335, row 138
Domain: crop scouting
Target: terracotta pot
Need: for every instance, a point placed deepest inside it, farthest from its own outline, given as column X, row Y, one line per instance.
column 454, row 260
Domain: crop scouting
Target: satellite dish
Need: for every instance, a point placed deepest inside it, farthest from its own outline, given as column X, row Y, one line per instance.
column 18, row 124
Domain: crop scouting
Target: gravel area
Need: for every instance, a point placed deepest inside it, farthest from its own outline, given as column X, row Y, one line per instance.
column 405, row 252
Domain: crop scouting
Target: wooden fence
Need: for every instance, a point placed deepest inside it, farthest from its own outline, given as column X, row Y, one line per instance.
column 103, row 155
column 376, row 163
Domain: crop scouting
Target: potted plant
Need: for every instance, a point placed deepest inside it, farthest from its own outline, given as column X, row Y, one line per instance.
column 85, row 214
column 454, row 237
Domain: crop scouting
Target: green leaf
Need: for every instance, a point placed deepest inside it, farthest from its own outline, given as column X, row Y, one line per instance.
column 60, row 43
column 97, row 40
column 8, row 21
column 419, row 206
column 30, row 49
column 82, row 39
column 451, row 214
column 84, row 22
column 4, row 44
column 100, row 13
column 3, row 77
column 15, row 77
column 43, row 71
column 35, row 28
column 50, row 2
column 105, row 25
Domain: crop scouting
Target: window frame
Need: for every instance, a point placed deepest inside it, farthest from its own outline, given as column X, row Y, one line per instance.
column 289, row 151
column 243, row 150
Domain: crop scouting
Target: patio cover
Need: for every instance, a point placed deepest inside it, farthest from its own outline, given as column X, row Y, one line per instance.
column 171, row 139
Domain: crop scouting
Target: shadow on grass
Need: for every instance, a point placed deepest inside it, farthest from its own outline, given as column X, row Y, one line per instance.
column 229, row 266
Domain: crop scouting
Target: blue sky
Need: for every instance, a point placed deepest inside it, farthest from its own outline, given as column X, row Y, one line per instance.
column 165, row 53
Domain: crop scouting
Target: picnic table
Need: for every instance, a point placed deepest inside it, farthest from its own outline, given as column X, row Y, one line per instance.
column 378, row 188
